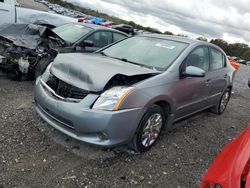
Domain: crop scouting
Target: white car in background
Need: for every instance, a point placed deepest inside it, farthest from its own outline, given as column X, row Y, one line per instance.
column 13, row 14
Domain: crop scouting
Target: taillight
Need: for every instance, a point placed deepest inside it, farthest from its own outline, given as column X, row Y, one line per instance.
column 80, row 19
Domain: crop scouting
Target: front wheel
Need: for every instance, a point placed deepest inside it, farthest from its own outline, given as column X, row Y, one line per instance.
column 149, row 129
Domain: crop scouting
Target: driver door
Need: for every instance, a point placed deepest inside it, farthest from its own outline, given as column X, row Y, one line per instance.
column 193, row 91
column 100, row 40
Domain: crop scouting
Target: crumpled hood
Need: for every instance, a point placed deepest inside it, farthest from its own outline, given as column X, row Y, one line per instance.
column 26, row 35
column 92, row 71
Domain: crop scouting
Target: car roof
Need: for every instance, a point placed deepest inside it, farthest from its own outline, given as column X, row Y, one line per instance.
column 99, row 27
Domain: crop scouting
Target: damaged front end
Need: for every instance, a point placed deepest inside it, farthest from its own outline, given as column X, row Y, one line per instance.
column 26, row 48
column 84, row 76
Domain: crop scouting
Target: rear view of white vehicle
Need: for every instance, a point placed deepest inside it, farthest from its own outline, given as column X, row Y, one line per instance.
column 7, row 11
column 10, row 13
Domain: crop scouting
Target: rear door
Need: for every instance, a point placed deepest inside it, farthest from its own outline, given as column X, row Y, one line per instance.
column 192, row 92
column 218, row 74
column 7, row 11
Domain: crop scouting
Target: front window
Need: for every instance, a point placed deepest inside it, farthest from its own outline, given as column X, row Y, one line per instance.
column 71, row 33
column 199, row 58
column 147, row 51
column 101, row 38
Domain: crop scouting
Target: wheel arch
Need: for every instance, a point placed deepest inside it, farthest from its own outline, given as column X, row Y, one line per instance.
column 163, row 101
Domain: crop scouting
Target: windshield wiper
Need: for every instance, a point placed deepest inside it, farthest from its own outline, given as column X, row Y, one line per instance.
column 141, row 65
column 125, row 60
column 103, row 53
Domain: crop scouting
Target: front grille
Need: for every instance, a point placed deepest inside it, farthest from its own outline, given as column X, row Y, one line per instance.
column 66, row 90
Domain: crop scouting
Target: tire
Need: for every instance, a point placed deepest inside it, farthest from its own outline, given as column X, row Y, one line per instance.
column 16, row 75
column 222, row 104
column 41, row 66
column 141, row 142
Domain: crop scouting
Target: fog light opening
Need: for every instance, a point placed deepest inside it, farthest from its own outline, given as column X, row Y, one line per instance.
column 103, row 136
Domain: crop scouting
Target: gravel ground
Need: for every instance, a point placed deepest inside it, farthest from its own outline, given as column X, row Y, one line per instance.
column 33, row 5
column 35, row 155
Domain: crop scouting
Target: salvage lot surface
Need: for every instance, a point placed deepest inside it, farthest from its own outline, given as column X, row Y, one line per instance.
column 33, row 5
column 35, row 155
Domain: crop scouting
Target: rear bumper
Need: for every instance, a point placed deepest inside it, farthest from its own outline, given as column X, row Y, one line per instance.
column 79, row 121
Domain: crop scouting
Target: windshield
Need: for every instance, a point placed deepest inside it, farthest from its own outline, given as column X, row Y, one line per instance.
column 72, row 32
column 147, row 51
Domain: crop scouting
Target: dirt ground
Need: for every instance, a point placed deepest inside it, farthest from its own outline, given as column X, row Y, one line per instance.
column 35, row 155
column 33, row 5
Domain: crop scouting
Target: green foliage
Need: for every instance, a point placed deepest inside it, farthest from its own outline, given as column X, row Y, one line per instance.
column 240, row 50
column 182, row 35
column 202, row 39
column 221, row 43
column 168, row 33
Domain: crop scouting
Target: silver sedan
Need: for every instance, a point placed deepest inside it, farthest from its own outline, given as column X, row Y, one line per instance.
column 128, row 92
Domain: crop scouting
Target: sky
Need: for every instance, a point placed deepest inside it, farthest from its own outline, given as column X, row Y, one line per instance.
column 225, row 19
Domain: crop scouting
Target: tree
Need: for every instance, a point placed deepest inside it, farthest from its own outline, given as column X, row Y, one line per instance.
column 221, row 43
column 182, row 35
column 168, row 33
column 202, row 39
column 237, row 49
column 246, row 55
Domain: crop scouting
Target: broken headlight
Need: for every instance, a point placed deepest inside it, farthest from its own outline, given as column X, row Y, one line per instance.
column 112, row 98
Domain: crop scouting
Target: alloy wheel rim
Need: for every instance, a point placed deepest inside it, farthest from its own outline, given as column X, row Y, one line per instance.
column 152, row 130
column 224, row 101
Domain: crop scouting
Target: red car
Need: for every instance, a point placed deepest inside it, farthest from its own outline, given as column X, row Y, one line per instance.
column 231, row 168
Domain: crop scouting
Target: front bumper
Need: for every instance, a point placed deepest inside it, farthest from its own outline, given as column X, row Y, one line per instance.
column 78, row 120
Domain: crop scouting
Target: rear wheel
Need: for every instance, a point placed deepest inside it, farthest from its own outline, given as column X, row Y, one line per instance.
column 222, row 104
column 149, row 129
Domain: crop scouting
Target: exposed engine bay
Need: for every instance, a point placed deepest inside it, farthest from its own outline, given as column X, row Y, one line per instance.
column 123, row 80
column 27, row 48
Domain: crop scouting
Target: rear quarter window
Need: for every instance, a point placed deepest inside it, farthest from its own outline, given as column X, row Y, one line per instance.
column 217, row 59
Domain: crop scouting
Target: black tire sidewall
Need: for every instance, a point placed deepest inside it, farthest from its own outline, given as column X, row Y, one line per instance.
column 219, row 109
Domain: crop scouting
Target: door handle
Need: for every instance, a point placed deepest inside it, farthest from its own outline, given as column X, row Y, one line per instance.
column 225, row 76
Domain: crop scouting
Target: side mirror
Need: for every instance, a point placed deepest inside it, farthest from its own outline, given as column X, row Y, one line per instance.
column 88, row 43
column 192, row 71
column 249, row 82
